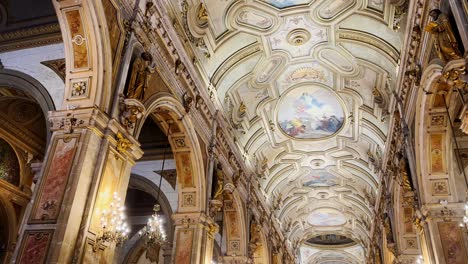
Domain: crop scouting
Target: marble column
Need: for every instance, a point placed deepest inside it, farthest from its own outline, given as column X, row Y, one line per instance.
column 194, row 238
column 86, row 162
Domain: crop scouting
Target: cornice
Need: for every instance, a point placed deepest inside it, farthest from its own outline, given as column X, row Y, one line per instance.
column 30, row 37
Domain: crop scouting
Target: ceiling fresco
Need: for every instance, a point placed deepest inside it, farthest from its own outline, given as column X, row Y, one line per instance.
column 306, row 85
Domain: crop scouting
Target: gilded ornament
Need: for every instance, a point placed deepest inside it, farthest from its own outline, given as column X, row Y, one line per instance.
column 219, row 184
column 122, row 143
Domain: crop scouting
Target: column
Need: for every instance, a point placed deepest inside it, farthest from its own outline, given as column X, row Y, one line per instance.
column 89, row 158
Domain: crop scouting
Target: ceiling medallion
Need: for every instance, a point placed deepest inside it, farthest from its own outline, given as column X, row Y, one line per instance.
column 310, row 112
column 298, row 36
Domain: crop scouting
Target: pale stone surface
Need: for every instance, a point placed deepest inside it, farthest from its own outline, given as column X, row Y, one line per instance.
column 29, row 61
column 146, row 169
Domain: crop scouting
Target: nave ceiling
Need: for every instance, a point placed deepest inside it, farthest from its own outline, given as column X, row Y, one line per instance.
column 307, row 87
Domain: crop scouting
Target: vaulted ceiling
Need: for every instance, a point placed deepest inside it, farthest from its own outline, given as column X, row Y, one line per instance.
column 306, row 85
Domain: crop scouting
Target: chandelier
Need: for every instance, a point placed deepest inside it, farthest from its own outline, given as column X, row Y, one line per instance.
column 465, row 217
column 113, row 224
column 154, row 231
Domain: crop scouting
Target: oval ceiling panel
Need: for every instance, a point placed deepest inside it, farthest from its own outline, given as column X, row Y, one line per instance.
column 254, row 18
column 326, row 217
column 332, row 8
column 310, row 112
column 337, row 60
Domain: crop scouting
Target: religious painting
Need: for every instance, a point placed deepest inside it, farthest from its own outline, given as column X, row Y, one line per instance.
column 35, row 246
column 310, row 113
column 55, row 179
column 286, row 3
column 436, row 152
column 184, row 169
column 231, row 219
column 408, row 219
column 326, row 217
column 320, row 178
column 451, row 238
column 78, row 39
column 184, row 246
column 9, row 165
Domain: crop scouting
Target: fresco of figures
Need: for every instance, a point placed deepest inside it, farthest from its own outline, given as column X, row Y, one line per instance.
column 310, row 113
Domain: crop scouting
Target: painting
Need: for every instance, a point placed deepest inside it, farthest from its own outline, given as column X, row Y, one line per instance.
column 320, row 178
column 326, row 217
column 231, row 219
column 47, row 207
column 286, row 3
column 408, row 219
column 184, row 246
column 451, row 238
column 184, row 169
column 78, row 39
column 310, row 113
column 9, row 165
column 35, row 246
column 436, row 149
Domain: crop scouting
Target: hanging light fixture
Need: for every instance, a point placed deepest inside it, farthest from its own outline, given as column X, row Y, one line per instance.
column 153, row 231
column 113, row 224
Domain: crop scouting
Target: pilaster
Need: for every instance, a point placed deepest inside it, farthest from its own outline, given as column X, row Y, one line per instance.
column 84, row 165
column 194, row 238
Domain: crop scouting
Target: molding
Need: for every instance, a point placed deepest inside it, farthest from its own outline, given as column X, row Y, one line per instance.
column 30, row 37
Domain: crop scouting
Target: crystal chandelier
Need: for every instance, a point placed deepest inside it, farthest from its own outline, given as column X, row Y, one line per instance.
column 113, row 224
column 154, row 231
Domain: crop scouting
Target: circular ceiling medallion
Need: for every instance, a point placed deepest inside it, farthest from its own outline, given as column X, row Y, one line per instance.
column 298, row 36
column 310, row 112
column 326, row 217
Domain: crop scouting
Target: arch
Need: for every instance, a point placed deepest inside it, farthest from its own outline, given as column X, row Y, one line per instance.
column 29, row 85
column 8, row 220
column 433, row 136
column 186, row 148
column 89, row 50
column 134, row 248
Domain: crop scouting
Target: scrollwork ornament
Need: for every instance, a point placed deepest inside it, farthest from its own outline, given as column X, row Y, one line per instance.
column 122, row 143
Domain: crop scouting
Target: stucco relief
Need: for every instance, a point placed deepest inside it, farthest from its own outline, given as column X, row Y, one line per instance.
column 297, row 43
column 254, row 18
column 331, row 8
